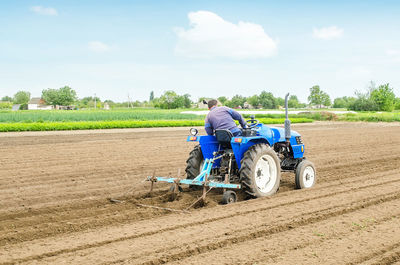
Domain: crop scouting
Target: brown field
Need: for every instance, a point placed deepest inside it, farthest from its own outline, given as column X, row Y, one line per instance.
column 54, row 208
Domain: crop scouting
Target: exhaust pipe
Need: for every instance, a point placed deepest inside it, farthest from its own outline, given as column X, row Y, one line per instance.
column 287, row 121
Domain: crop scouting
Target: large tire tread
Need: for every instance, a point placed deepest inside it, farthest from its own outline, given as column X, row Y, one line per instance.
column 193, row 163
column 246, row 169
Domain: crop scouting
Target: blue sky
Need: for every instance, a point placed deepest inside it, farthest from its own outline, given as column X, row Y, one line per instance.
column 204, row 48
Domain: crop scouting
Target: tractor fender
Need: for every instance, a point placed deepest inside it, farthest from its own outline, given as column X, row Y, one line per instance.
column 240, row 145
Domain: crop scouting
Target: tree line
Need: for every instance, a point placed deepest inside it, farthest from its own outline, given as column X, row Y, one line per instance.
column 375, row 98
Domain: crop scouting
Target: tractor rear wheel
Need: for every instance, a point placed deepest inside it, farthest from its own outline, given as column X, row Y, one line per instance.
column 194, row 164
column 260, row 171
column 305, row 175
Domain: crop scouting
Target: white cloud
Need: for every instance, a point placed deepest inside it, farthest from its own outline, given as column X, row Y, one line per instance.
column 393, row 52
column 328, row 33
column 47, row 11
column 211, row 36
column 98, row 46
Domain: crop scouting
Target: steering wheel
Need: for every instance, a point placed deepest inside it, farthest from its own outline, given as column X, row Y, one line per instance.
column 252, row 123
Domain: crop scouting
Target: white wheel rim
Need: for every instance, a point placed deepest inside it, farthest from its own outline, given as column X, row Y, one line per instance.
column 308, row 176
column 265, row 173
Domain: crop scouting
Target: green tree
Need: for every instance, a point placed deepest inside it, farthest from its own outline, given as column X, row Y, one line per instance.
column 223, row 100
column 166, row 100
column 363, row 102
column 88, row 102
column 318, row 97
column 383, row 97
column 267, row 100
column 254, row 101
column 343, row 102
column 171, row 100
column 326, row 100
column 50, row 95
column 280, row 102
column 339, row 103
column 22, row 97
column 151, row 96
column 236, row 101
column 397, row 104
column 187, row 103
column 63, row 96
column 7, row 99
column 293, row 102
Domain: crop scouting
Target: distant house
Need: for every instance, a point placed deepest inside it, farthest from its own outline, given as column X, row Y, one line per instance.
column 247, row 105
column 38, row 104
column 319, row 107
column 16, row 107
column 70, row 107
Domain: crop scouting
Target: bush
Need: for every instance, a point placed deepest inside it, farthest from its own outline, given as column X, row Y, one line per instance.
column 363, row 104
column 329, row 116
column 23, row 107
column 397, row 104
column 379, row 98
column 6, row 105
column 383, row 97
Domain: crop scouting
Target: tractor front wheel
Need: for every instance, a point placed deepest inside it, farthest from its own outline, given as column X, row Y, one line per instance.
column 305, row 175
column 260, row 171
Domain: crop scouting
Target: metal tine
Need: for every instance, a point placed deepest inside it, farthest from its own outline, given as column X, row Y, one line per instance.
column 152, row 181
column 199, row 199
column 162, row 208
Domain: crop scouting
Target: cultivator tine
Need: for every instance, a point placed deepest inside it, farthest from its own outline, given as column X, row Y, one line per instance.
column 152, row 179
column 199, row 199
column 162, row 208
column 177, row 181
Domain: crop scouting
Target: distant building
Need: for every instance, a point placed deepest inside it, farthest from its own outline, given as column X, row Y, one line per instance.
column 38, row 104
column 247, row 105
column 70, row 107
column 16, row 107
column 319, row 107
column 106, row 106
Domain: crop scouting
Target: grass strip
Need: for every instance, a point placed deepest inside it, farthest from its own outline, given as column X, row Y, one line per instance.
column 91, row 125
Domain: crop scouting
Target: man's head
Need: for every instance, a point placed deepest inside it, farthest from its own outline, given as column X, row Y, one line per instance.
column 211, row 103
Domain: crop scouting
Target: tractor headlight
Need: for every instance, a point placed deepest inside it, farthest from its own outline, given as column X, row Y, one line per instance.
column 193, row 131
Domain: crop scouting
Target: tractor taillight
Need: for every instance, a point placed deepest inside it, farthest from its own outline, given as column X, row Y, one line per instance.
column 238, row 140
column 193, row 138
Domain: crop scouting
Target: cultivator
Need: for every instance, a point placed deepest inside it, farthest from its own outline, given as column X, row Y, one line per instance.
column 203, row 180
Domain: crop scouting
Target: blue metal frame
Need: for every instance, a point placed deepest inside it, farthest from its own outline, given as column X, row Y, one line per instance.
column 201, row 179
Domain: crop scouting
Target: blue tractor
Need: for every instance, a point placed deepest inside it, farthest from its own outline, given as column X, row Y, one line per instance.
column 252, row 162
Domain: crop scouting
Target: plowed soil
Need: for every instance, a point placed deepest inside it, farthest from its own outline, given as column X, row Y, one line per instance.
column 55, row 189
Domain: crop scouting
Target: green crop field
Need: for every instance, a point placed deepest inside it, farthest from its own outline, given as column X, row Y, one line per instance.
column 89, row 125
column 143, row 118
column 95, row 115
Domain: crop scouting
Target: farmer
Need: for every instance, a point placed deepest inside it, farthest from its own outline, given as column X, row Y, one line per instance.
column 223, row 118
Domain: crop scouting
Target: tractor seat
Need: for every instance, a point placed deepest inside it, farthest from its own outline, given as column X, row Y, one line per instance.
column 224, row 137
